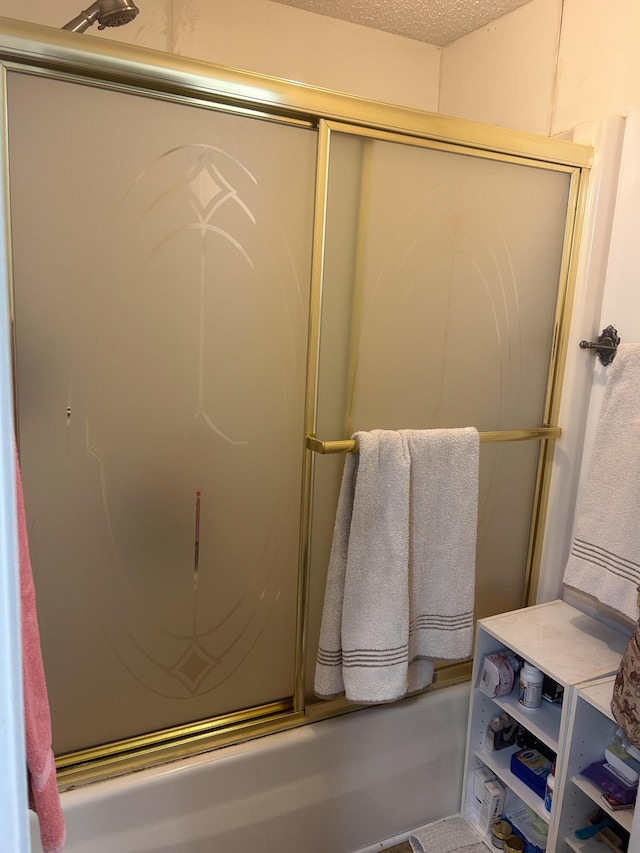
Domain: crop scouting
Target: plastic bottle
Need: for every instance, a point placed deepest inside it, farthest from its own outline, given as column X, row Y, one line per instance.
column 530, row 686
column 548, row 793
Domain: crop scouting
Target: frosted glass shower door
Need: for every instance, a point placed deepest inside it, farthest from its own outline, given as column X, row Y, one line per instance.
column 161, row 275
column 443, row 277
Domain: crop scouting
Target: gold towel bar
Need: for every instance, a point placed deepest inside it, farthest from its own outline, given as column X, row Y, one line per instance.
column 350, row 446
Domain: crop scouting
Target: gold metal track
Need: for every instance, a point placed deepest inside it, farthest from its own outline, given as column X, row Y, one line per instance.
column 163, row 74
column 351, row 446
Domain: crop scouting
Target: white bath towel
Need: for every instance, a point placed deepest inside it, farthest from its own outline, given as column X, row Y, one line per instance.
column 328, row 678
column 605, row 554
column 365, row 627
column 450, row 835
column 443, row 523
column 401, row 574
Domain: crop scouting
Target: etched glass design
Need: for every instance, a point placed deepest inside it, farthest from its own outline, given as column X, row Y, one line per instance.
column 162, row 268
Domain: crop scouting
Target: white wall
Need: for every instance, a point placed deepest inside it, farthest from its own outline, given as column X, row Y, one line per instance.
column 282, row 41
column 273, row 39
column 504, row 73
column 600, row 75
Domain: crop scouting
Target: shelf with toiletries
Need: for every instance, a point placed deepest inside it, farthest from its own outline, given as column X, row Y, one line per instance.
column 562, row 648
column 545, row 733
column 499, row 764
column 544, row 724
column 594, row 730
column 516, row 813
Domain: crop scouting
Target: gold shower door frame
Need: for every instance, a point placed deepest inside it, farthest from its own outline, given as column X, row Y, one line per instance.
column 61, row 55
column 545, row 433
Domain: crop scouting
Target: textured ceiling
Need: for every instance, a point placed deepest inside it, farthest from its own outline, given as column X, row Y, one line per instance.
column 433, row 21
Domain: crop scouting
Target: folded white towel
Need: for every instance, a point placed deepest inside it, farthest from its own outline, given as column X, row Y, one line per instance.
column 400, row 584
column 446, row 836
column 605, row 554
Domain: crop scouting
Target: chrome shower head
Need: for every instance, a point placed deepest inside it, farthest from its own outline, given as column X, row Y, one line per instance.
column 108, row 13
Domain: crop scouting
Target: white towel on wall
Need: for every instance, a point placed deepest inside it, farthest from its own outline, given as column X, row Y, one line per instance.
column 605, row 553
column 400, row 583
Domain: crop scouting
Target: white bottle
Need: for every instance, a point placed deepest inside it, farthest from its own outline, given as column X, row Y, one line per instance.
column 530, row 694
column 548, row 793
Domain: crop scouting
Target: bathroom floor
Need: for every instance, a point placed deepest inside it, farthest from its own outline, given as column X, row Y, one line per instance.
column 405, row 847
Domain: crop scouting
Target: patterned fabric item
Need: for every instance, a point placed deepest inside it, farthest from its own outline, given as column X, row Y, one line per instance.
column 625, row 703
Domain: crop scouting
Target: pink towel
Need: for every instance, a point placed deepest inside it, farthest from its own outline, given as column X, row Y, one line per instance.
column 44, row 798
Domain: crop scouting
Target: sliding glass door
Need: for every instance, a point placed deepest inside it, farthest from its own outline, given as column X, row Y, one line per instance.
column 442, row 279
column 161, row 280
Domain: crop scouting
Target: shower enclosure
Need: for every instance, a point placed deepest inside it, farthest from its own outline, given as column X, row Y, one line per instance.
column 215, row 278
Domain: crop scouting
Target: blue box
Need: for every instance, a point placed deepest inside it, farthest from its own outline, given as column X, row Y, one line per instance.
column 533, row 768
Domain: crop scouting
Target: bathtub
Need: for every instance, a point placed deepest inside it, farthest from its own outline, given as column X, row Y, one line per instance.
column 354, row 783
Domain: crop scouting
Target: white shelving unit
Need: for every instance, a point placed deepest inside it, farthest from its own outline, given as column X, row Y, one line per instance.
column 593, row 727
column 582, row 655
